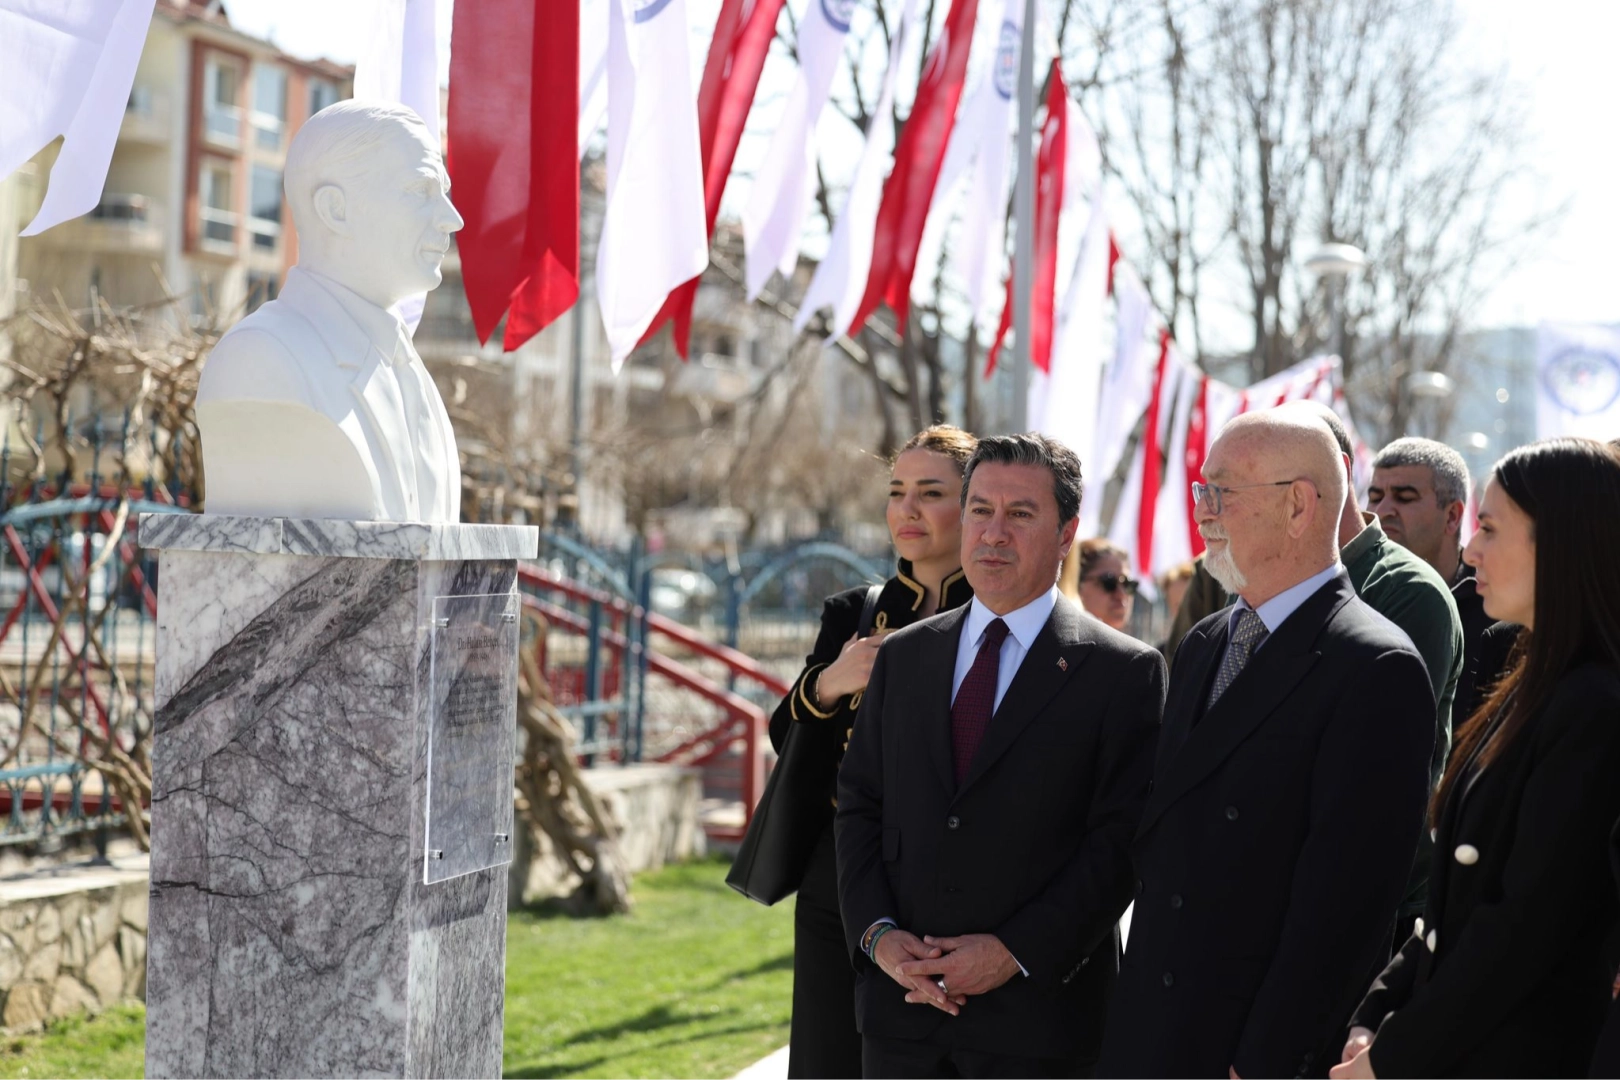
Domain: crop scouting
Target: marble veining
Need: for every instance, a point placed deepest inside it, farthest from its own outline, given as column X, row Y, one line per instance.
column 291, row 930
column 337, row 539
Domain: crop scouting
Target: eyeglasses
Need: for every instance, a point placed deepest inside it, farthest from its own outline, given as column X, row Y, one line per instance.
column 1112, row 582
column 1211, row 493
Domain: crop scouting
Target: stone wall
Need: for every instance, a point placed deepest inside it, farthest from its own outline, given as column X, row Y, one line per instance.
column 72, row 940
column 73, row 937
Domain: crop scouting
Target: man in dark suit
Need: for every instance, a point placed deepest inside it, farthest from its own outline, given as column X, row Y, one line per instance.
column 986, row 804
column 1289, row 785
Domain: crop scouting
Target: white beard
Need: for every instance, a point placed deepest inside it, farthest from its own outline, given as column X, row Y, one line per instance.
column 1225, row 571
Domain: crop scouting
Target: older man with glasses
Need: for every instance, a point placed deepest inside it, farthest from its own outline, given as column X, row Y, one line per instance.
column 1286, row 801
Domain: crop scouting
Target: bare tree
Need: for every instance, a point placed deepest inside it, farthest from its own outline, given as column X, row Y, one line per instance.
column 1247, row 132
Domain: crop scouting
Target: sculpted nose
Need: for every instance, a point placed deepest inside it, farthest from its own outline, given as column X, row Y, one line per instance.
column 450, row 219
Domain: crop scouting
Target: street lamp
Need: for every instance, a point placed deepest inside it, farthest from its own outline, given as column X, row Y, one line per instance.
column 1334, row 263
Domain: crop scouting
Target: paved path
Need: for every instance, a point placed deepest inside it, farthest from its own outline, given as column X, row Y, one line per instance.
column 772, row 1067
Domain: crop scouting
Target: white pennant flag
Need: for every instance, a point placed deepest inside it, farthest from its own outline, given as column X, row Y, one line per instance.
column 783, row 188
column 840, row 279
column 66, row 68
column 593, row 81
column 975, row 169
column 1066, row 402
column 1128, row 383
column 654, row 231
column 399, row 62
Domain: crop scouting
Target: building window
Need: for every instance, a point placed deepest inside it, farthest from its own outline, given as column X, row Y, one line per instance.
column 261, row 289
column 222, row 113
column 265, row 208
column 269, row 106
column 218, row 207
column 321, row 94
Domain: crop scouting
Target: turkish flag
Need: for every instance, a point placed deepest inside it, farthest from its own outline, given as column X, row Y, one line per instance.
column 512, row 155
column 917, row 161
column 742, row 38
column 1050, row 165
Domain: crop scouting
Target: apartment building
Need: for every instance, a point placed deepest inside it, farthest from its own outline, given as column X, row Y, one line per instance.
column 193, row 203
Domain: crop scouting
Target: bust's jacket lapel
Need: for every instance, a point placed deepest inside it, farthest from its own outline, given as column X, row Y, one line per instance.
column 1257, row 691
column 1038, row 681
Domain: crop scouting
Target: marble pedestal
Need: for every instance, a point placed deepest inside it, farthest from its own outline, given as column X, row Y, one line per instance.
column 317, row 681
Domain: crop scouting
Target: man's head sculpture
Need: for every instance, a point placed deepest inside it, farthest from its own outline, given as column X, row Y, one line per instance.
column 370, row 200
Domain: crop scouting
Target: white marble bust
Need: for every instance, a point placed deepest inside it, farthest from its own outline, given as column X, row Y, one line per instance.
column 317, row 405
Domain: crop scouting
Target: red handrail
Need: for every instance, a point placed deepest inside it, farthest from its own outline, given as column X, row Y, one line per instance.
column 741, row 717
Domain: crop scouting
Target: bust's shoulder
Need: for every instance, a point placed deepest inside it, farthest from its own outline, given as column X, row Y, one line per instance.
column 261, row 359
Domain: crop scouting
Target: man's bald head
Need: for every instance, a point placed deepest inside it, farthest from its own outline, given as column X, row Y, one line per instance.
column 1291, row 440
column 1283, row 487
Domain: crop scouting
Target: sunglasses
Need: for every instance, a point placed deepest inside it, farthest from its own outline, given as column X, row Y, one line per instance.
column 1113, row 582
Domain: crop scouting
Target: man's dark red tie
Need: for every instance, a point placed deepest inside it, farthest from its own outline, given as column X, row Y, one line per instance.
column 976, row 700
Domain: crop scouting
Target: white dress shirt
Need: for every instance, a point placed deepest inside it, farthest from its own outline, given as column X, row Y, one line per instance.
column 1023, row 625
column 1274, row 612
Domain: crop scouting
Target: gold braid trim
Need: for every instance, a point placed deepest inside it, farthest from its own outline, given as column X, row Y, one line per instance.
column 799, row 696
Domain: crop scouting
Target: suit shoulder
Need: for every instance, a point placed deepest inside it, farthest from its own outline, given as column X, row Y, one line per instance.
column 1117, row 643
column 254, row 361
column 1358, row 627
column 1591, row 688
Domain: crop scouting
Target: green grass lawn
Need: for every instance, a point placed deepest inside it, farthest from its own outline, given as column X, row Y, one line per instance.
column 694, row 983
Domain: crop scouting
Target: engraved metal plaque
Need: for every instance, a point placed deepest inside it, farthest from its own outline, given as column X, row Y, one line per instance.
column 471, row 734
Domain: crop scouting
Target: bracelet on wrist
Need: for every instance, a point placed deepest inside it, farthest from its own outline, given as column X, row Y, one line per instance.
column 877, row 935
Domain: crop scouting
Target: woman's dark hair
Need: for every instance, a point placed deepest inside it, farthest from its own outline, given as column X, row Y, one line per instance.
column 1570, row 490
column 946, row 439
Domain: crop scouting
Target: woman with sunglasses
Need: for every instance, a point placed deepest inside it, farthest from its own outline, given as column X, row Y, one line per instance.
column 1504, row 973
column 1107, row 590
column 925, row 523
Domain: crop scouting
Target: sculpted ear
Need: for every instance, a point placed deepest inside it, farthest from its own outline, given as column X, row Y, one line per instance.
column 332, row 209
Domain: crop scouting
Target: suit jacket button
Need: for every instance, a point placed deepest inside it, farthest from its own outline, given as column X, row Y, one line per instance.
column 953, row 822
column 1175, row 901
column 1169, row 979
column 1138, row 886
column 1231, row 813
column 1467, row 854
column 1433, row 941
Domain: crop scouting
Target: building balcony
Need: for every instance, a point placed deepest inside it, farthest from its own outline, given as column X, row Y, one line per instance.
column 147, row 118
column 121, row 224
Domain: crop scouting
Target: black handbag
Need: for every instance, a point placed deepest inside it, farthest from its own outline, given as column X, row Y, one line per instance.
column 795, row 810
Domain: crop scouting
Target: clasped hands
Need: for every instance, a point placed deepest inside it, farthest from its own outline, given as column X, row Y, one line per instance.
column 944, row 972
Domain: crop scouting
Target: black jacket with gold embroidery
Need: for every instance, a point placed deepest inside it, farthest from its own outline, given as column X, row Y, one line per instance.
column 899, row 604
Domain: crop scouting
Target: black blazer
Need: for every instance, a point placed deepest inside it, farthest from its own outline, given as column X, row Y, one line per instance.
column 1032, row 848
column 1275, row 847
column 1516, row 983
column 899, row 604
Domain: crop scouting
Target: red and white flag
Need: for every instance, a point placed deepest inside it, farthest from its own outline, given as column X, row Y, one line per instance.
column 910, row 187
column 514, row 176
column 1173, row 528
column 1127, row 385
column 654, row 233
column 841, row 276
column 742, row 37
column 773, row 220
column 1137, row 504
column 975, row 174
column 1050, row 187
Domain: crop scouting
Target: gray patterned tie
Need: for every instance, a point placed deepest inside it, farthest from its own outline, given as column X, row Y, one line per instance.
column 1246, row 638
